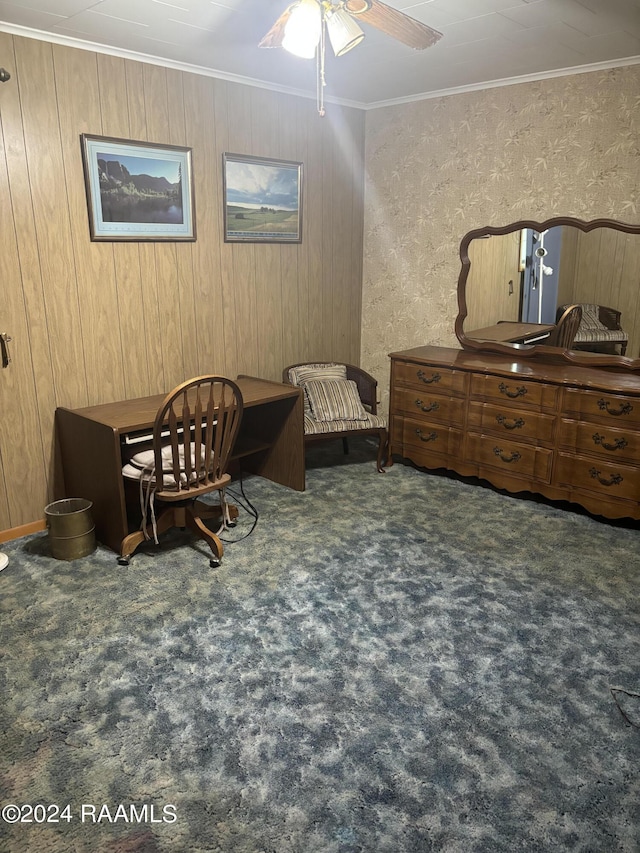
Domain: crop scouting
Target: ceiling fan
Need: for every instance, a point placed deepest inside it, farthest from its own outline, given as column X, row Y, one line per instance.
column 301, row 29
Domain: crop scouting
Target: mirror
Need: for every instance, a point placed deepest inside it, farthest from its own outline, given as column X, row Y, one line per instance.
column 515, row 278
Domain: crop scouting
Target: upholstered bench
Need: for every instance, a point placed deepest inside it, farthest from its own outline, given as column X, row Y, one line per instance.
column 339, row 401
column 599, row 330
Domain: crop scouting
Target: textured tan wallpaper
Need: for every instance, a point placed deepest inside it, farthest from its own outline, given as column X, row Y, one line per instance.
column 438, row 168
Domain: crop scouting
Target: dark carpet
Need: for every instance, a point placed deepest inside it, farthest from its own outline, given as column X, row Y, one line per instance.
column 389, row 663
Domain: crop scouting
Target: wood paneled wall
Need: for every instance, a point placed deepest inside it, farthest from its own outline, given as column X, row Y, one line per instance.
column 493, row 285
column 602, row 267
column 96, row 322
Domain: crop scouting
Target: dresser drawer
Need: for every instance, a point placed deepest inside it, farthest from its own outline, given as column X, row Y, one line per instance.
column 605, row 441
column 608, row 479
column 523, row 393
column 441, row 379
column 424, row 403
column 510, row 457
column 518, row 424
column 615, row 408
column 538, row 425
column 431, row 438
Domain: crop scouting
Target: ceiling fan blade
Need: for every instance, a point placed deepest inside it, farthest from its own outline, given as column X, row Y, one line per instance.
column 275, row 35
column 394, row 23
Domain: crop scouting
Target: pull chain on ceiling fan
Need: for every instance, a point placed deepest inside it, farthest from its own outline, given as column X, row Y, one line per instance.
column 302, row 27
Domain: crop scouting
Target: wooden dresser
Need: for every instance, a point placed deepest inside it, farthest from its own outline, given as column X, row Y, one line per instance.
column 564, row 431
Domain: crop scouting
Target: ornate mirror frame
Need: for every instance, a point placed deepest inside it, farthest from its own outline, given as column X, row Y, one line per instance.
column 534, row 350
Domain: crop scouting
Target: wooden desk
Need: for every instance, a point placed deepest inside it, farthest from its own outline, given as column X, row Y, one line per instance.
column 513, row 333
column 93, row 441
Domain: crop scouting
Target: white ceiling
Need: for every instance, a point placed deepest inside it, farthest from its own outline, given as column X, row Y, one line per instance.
column 484, row 41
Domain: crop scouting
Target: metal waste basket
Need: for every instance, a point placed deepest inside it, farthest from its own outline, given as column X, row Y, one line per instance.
column 71, row 529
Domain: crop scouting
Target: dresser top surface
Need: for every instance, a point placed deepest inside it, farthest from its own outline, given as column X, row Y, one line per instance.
column 540, row 369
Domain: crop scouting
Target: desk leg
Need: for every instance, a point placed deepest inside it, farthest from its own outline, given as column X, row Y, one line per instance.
column 281, row 424
column 92, row 469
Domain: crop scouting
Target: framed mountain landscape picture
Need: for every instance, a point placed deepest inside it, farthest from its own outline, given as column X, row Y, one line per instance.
column 262, row 199
column 138, row 190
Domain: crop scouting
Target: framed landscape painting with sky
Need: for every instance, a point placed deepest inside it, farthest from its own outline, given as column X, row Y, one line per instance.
column 138, row 190
column 262, row 200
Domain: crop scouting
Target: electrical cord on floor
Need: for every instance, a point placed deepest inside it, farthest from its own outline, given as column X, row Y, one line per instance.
column 614, row 692
column 247, row 506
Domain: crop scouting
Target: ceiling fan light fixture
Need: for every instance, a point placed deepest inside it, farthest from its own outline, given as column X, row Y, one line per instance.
column 344, row 32
column 303, row 29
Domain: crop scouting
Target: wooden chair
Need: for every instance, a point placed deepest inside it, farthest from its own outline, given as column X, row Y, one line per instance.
column 193, row 435
column 566, row 327
column 348, row 398
column 599, row 330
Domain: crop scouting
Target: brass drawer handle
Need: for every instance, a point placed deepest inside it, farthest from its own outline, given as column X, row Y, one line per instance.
column 519, row 392
column 618, row 444
column 624, row 409
column 516, row 423
column 614, row 479
column 432, row 407
column 429, row 436
column 500, row 454
column 422, row 376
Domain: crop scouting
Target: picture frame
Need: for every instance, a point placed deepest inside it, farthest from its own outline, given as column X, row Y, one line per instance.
column 262, row 199
column 138, row 191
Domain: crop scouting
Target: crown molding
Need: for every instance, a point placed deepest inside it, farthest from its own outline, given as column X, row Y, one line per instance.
column 149, row 59
column 506, row 81
column 81, row 44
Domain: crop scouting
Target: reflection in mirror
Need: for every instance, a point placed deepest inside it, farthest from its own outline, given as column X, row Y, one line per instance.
column 519, row 282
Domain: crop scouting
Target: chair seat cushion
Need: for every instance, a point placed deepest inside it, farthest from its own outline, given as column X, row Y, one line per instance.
column 334, row 400
column 147, row 476
column 142, row 467
column 313, row 427
column 146, row 458
column 594, row 335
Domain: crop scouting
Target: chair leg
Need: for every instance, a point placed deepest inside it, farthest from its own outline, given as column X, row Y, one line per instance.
column 383, row 445
column 196, row 524
column 204, row 510
column 131, row 542
column 179, row 516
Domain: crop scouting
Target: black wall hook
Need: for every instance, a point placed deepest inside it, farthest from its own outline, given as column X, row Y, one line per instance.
column 4, row 75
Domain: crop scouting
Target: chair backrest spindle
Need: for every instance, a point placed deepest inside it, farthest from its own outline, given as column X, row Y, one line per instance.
column 201, row 418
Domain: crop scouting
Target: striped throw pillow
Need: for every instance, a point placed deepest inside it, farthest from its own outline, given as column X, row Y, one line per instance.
column 306, row 372
column 591, row 317
column 334, row 400
column 328, row 370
